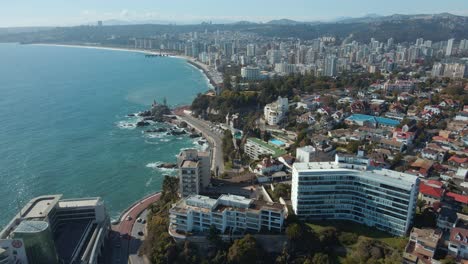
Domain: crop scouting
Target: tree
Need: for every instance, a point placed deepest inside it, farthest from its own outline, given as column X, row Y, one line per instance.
column 321, row 258
column 244, row 250
column 465, row 209
column 214, row 236
column 449, row 260
column 294, row 232
column 420, row 204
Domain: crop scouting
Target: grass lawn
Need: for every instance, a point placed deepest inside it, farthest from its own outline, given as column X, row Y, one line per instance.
column 398, row 243
column 228, row 165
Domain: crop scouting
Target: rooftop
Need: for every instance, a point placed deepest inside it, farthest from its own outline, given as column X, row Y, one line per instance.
column 277, row 152
column 86, row 202
column 39, row 207
column 373, row 119
column 189, row 164
column 396, row 178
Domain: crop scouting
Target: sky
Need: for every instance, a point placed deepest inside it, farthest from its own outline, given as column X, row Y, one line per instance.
column 75, row 12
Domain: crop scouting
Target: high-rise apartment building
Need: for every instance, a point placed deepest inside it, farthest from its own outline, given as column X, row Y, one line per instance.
column 350, row 189
column 330, row 66
column 251, row 50
column 194, row 171
column 448, row 51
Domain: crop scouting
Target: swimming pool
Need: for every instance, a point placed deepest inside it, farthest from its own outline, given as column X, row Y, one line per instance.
column 277, row 142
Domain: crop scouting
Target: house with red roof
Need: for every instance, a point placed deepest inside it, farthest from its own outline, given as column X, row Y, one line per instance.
column 458, row 242
column 458, row 198
column 458, row 161
column 431, row 191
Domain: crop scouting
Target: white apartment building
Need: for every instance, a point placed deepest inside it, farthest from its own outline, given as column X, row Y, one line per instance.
column 255, row 148
column 349, row 189
column 250, row 73
column 276, row 111
column 228, row 213
column 194, row 171
column 285, row 68
column 305, row 154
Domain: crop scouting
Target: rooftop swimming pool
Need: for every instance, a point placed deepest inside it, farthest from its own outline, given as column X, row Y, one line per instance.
column 277, row 142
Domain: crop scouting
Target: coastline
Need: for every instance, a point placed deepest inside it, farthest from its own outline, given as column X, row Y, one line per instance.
column 214, row 81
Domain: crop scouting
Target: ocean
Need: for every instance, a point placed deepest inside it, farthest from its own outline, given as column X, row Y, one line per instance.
column 64, row 127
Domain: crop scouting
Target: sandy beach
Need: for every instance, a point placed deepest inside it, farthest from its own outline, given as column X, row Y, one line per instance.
column 214, row 77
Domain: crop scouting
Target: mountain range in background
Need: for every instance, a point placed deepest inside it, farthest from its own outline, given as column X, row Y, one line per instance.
column 369, row 18
column 403, row 28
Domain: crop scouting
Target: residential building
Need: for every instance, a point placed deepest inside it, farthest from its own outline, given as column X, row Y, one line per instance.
column 448, row 51
column 251, row 48
column 250, row 73
column 49, row 229
column 276, row 111
column 372, row 121
column 380, row 198
column 423, row 243
column 305, row 154
column 228, row 213
column 458, row 242
column 255, row 148
column 431, row 192
column 194, row 171
column 330, row 66
column 285, row 68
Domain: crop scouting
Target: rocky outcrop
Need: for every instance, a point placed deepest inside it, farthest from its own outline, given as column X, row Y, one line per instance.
column 167, row 165
column 142, row 124
column 156, row 130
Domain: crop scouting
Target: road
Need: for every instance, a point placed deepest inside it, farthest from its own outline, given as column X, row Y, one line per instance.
column 125, row 240
column 214, row 138
column 137, row 240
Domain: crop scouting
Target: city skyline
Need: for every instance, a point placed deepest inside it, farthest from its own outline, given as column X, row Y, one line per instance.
column 58, row 13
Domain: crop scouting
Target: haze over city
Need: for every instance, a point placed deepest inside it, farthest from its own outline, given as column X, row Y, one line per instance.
column 68, row 13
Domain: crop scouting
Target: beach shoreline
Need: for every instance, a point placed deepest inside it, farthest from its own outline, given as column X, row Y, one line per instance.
column 214, row 81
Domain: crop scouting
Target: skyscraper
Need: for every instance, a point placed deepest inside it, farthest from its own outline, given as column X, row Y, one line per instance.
column 251, row 50
column 448, row 52
column 330, row 66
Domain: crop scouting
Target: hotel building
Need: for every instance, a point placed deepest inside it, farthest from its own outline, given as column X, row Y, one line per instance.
column 52, row 230
column 350, row 189
column 231, row 213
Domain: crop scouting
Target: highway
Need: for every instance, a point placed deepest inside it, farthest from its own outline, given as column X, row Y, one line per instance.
column 214, row 138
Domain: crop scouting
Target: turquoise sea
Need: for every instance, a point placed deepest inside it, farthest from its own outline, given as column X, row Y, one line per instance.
column 64, row 127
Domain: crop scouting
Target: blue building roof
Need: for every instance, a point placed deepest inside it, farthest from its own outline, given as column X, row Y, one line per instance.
column 374, row 119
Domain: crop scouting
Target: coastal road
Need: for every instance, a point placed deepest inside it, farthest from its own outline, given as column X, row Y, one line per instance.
column 214, row 138
column 137, row 240
column 125, row 240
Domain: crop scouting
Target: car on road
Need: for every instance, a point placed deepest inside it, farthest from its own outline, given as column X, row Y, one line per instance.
column 139, row 220
column 129, row 218
column 140, row 233
column 143, row 222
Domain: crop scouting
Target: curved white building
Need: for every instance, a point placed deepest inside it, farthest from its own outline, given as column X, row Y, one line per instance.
column 349, row 189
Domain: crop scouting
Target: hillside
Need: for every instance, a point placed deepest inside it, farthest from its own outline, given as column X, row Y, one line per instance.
column 401, row 27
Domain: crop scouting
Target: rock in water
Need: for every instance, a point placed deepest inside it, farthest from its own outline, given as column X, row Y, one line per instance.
column 142, row 123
